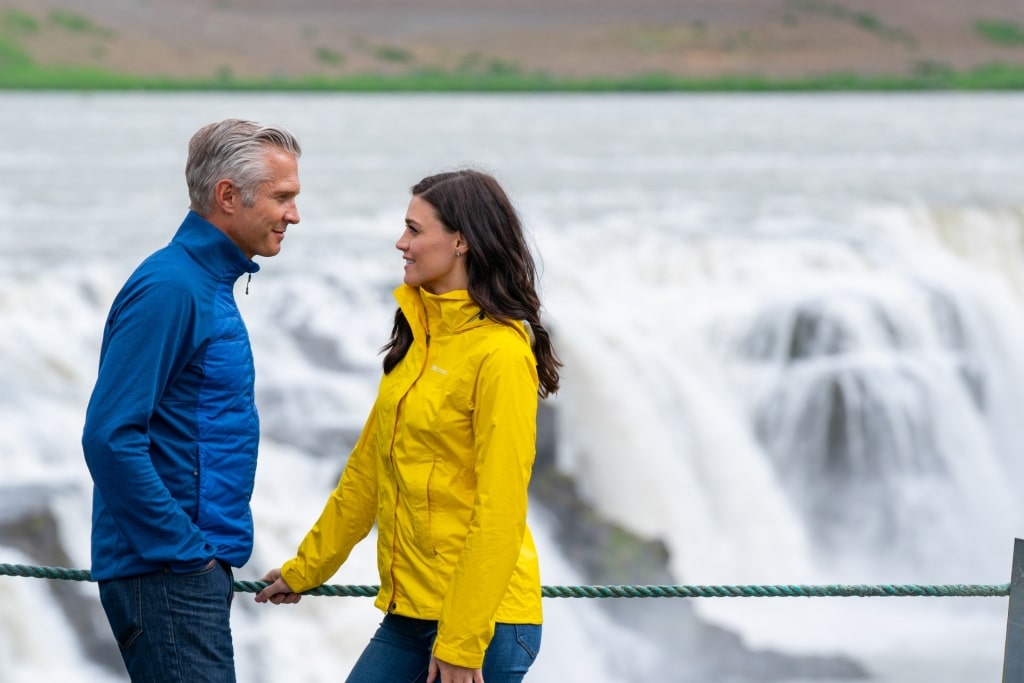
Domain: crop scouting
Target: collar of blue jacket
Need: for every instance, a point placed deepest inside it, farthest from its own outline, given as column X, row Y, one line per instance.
column 211, row 248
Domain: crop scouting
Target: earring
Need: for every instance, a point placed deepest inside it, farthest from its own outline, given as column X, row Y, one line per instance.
column 458, row 253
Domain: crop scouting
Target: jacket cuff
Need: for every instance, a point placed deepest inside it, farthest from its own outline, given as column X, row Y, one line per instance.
column 293, row 577
column 469, row 660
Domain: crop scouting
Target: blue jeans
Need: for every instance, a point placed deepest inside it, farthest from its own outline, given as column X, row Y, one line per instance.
column 173, row 628
column 399, row 652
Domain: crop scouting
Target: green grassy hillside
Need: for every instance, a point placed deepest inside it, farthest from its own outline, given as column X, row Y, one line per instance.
column 525, row 45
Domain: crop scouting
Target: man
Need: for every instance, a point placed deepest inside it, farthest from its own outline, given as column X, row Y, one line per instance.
column 171, row 431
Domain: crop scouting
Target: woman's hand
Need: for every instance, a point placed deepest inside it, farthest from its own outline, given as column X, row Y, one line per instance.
column 278, row 592
column 443, row 672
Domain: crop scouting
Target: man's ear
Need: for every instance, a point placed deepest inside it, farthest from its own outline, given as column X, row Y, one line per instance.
column 226, row 196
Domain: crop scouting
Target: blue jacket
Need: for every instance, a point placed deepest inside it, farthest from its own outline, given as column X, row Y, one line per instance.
column 171, row 431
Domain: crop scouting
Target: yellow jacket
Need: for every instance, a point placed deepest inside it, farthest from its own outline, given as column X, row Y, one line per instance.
column 443, row 465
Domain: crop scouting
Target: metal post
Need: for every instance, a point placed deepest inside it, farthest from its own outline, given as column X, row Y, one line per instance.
column 1013, row 656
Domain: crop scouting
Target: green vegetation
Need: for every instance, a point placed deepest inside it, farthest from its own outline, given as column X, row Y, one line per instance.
column 933, row 70
column 18, row 72
column 326, row 55
column 482, row 73
column 17, row 22
column 1000, row 32
column 393, row 54
column 502, row 68
column 12, row 57
column 16, row 64
column 863, row 20
column 475, row 65
column 76, row 23
column 223, row 78
column 479, row 73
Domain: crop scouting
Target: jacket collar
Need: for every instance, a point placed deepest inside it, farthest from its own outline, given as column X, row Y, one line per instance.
column 438, row 314
column 211, row 248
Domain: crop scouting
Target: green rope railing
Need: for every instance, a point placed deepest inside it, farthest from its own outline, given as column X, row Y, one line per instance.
column 843, row 591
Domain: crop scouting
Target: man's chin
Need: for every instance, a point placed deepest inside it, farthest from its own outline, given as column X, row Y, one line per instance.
column 272, row 250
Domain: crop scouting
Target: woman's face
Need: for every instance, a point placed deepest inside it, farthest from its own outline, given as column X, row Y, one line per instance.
column 435, row 259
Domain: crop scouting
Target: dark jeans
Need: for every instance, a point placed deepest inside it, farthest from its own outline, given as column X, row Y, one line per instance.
column 399, row 652
column 173, row 628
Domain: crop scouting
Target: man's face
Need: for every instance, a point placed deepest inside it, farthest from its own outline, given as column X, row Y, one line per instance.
column 258, row 230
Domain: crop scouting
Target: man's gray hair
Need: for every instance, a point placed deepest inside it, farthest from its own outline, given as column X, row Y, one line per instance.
column 234, row 149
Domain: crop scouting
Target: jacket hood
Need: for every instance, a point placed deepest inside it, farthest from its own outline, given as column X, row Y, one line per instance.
column 439, row 315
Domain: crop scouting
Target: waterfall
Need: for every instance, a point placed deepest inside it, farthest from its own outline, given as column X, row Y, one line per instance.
column 791, row 328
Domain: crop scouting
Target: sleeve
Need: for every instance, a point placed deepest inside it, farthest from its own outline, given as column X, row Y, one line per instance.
column 505, row 429
column 346, row 519
column 148, row 339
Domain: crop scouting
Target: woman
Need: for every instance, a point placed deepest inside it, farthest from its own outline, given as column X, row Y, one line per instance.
column 443, row 463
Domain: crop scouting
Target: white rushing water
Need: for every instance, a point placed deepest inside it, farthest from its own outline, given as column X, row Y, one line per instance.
column 790, row 324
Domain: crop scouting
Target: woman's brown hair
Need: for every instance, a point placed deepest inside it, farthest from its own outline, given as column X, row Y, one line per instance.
column 501, row 270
